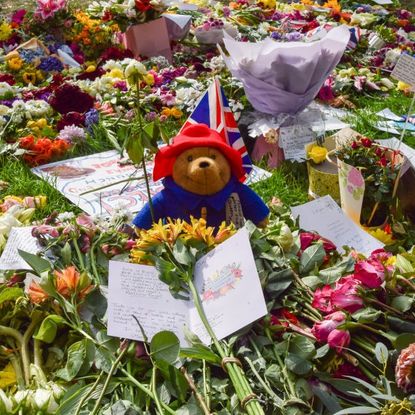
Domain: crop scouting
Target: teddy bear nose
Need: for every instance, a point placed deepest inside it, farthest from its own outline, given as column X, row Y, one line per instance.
column 204, row 164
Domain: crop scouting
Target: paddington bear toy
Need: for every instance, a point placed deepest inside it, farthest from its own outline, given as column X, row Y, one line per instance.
column 202, row 178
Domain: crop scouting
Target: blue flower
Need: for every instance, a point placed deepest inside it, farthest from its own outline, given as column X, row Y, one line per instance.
column 91, row 118
column 50, row 64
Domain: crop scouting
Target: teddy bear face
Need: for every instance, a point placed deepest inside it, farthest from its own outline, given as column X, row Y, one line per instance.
column 202, row 170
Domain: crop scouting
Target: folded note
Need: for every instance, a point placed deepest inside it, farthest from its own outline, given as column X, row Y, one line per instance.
column 325, row 216
column 228, row 285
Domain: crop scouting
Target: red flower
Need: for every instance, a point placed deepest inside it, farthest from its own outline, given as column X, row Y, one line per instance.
column 354, row 145
column 142, row 5
column 366, row 142
column 70, row 98
column 347, row 369
column 27, row 142
column 307, row 238
column 370, row 273
column 383, row 161
column 6, row 77
column 322, row 299
column 338, row 339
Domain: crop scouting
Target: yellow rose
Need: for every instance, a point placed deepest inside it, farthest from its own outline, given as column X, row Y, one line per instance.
column 317, row 154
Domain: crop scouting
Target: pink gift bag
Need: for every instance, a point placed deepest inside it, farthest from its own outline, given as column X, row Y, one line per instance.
column 148, row 39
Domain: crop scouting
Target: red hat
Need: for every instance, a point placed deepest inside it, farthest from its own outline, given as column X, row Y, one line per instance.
column 196, row 135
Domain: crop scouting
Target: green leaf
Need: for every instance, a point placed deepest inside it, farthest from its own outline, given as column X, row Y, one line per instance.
column 135, row 149
column 403, row 264
column 366, row 315
column 182, row 254
column 331, row 275
column 78, row 360
column 358, row 410
column 200, row 353
column 278, row 282
column 312, row 281
column 103, row 359
column 312, row 257
column 322, row 351
column 329, row 400
column 122, row 407
column 302, row 346
column 165, row 346
column 49, row 327
column 38, row 264
column 174, row 378
column 297, row 364
column 402, row 303
column 401, row 325
column 404, row 340
column 381, row 353
column 10, row 294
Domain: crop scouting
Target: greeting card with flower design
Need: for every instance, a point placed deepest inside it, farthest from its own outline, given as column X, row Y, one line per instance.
column 230, row 291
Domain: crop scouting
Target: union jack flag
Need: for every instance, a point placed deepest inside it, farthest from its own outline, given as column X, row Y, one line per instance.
column 355, row 35
column 213, row 110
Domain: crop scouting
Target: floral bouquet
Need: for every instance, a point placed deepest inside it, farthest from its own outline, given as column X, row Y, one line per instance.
column 127, row 12
column 211, row 31
column 368, row 178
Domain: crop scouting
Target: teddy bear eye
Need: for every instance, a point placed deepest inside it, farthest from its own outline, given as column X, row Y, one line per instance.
column 213, row 157
column 190, row 158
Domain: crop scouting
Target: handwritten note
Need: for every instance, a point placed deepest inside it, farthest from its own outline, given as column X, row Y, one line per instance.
column 293, row 139
column 135, row 290
column 19, row 238
column 404, row 69
column 324, row 216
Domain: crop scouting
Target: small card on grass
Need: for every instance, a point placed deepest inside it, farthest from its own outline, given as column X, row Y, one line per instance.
column 228, row 285
column 325, row 216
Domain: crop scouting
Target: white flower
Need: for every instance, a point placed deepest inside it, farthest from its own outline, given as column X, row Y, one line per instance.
column 8, row 221
column 7, row 403
column 4, row 109
column 392, row 56
column 6, row 89
column 38, row 108
column 65, row 216
column 134, row 68
column 43, row 400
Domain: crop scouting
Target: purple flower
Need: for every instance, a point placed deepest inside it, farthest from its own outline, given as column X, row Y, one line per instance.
column 50, row 64
column 293, row 36
column 72, row 134
column 276, row 35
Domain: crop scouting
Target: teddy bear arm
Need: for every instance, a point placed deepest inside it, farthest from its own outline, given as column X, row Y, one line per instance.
column 253, row 207
column 143, row 219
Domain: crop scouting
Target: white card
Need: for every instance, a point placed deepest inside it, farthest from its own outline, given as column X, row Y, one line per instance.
column 404, row 69
column 229, row 288
column 383, row 2
column 293, row 139
column 325, row 217
column 19, row 238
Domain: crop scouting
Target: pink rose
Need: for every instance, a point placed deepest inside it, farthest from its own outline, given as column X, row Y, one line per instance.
column 338, row 339
column 322, row 299
column 355, row 178
column 322, row 329
column 345, row 297
column 370, row 273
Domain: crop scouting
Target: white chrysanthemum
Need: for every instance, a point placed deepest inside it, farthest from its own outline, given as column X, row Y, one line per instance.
column 65, row 216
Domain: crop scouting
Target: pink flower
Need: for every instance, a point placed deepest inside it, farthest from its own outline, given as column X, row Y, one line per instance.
column 322, row 299
column 307, row 238
column 45, row 230
column 355, row 178
column 326, row 91
column 322, row 329
column 370, row 273
column 345, row 297
column 338, row 339
column 47, row 8
column 87, row 224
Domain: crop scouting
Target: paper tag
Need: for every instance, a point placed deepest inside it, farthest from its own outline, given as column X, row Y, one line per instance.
column 404, row 69
column 19, row 238
column 383, row 2
column 293, row 139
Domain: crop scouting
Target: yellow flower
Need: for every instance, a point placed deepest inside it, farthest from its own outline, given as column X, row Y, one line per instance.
column 15, row 63
column 39, row 75
column 391, row 261
column 29, row 77
column 7, row 376
column 90, row 68
column 198, row 231
column 149, row 79
column 381, row 235
column 172, row 112
column 115, row 73
column 317, row 154
column 267, row 4
column 5, row 31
